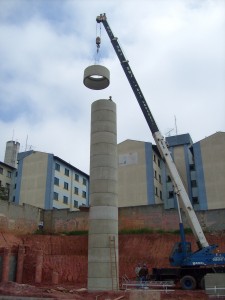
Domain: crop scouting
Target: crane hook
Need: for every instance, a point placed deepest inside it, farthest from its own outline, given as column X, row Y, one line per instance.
column 98, row 42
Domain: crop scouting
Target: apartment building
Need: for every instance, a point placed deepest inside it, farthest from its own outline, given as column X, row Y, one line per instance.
column 141, row 174
column 6, row 174
column 144, row 178
column 209, row 162
column 47, row 181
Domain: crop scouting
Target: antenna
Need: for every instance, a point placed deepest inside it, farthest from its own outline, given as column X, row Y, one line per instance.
column 26, row 143
column 168, row 132
column 175, row 119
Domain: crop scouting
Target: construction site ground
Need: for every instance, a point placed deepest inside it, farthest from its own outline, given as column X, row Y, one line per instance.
column 68, row 256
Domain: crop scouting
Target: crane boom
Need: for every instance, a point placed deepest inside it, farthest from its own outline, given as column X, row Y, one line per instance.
column 159, row 139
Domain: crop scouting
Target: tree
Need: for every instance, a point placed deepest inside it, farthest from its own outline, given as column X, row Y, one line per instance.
column 4, row 193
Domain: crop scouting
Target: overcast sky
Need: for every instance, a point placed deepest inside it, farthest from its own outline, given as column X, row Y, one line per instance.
column 176, row 49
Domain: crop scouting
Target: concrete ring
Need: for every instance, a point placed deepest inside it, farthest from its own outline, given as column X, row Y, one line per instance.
column 96, row 77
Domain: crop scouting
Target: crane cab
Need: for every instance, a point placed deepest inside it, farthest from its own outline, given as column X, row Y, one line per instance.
column 180, row 251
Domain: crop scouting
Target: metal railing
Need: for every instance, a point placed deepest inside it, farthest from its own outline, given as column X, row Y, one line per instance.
column 152, row 285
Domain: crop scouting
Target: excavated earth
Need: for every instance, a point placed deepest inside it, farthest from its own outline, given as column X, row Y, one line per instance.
column 67, row 255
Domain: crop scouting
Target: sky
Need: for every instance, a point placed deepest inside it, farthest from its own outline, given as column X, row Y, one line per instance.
column 176, row 50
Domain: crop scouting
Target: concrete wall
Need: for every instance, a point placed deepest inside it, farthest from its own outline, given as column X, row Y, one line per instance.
column 157, row 217
column 137, row 217
column 18, row 219
column 23, row 219
column 64, row 220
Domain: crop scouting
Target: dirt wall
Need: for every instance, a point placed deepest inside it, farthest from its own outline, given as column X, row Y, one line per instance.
column 68, row 255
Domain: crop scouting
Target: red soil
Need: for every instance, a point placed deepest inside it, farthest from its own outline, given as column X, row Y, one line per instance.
column 67, row 255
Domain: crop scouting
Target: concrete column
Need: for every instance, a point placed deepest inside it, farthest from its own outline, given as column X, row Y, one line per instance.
column 20, row 262
column 39, row 266
column 5, row 265
column 103, row 213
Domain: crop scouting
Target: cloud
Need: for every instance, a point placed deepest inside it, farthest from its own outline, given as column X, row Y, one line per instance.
column 175, row 48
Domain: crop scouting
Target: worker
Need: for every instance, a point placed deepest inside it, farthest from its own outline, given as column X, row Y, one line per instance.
column 143, row 273
column 137, row 270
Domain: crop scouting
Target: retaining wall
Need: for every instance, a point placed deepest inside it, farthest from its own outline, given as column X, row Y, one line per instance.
column 152, row 217
column 24, row 219
column 18, row 219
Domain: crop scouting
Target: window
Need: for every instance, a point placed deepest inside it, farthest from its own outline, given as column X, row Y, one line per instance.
column 76, row 191
column 76, row 177
column 194, row 183
column 158, row 162
column 83, row 194
column 154, row 157
column 171, row 194
column 195, row 200
column 75, row 203
column 168, row 179
column 156, row 191
column 67, row 172
column 57, row 167
column 160, row 179
column 15, row 186
column 160, row 194
column 65, row 199
column 14, row 199
column 56, row 196
column 56, row 181
column 84, row 181
column 192, row 167
column 155, row 174
column 9, row 174
column 16, row 174
column 66, row 186
column 1, row 170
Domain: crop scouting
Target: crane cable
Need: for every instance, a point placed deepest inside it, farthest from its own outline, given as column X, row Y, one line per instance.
column 98, row 37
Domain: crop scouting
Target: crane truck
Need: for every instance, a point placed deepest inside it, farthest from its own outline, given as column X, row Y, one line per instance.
column 187, row 266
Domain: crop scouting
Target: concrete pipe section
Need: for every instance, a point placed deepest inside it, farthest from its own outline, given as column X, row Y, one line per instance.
column 103, row 213
column 96, row 77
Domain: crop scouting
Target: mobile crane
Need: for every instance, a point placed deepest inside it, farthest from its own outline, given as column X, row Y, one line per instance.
column 187, row 266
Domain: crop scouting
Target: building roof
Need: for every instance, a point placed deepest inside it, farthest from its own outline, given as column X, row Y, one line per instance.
column 181, row 139
column 216, row 133
column 71, row 166
column 130, row 141
column 6, row 165
column 22, row 155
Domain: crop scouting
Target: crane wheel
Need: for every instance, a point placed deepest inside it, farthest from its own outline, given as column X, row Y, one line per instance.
column 188, row 282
